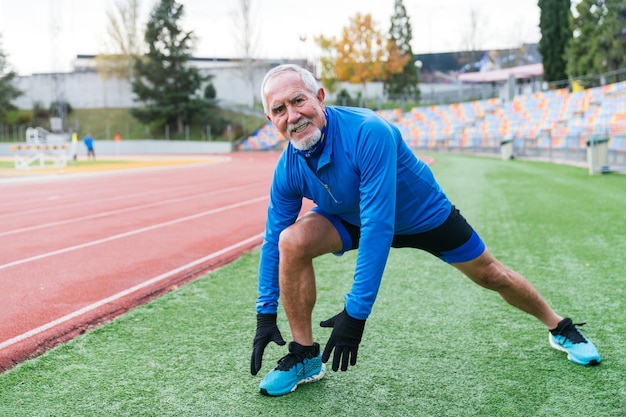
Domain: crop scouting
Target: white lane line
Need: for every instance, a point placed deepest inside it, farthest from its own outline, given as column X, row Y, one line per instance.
column 86, row 201
column 124, row 293
column 119, row 211
column 94, row 201
column 133, row 232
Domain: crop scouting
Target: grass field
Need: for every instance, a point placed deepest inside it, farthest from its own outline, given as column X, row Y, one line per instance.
column 10, row 164
column 435, row 345
column 7, row 167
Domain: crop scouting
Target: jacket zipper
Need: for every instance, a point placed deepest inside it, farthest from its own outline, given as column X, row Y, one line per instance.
column 327, row 188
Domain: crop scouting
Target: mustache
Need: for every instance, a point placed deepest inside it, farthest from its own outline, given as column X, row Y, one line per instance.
column 291, row 127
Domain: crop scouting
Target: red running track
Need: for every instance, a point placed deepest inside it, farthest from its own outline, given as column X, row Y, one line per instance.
column 78, row 250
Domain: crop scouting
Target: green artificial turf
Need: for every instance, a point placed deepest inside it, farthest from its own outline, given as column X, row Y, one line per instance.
column 435, row 345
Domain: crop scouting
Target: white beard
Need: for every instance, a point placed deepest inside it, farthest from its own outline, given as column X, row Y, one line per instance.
column 307, row 142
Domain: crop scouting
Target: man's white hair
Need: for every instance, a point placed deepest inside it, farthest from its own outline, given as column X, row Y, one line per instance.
column 307, row 78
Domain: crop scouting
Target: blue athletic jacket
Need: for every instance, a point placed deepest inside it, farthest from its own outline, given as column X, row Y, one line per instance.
column 368, row 176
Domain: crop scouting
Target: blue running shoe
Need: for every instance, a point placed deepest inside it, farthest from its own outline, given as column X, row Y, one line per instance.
column 567, row 338
column 302, row 365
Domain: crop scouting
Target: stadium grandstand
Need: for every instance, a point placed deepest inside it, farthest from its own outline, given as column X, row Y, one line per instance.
column 554, row 124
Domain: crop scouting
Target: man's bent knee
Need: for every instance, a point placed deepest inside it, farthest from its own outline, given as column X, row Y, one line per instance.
column 312, row 235
column 292, row 239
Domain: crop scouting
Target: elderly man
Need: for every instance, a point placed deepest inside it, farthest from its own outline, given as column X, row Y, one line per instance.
column 371, row 194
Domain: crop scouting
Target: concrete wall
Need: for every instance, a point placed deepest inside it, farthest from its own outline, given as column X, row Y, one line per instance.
column 88, row 90
column 80, row 89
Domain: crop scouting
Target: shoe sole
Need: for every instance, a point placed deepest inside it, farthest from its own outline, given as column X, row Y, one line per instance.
column 556, row 346
column 306, row 380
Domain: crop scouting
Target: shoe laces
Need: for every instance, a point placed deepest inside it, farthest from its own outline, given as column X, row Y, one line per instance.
column 570, row 332
column 297, row 355
column 289, row 361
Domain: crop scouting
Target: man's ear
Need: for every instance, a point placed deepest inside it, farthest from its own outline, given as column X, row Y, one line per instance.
column 321, row 94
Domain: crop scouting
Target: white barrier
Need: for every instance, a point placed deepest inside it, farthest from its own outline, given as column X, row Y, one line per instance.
column 39, row 156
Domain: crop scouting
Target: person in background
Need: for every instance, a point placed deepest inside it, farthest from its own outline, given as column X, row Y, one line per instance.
column 371, row 193
column 88, row 141
column 74, row 149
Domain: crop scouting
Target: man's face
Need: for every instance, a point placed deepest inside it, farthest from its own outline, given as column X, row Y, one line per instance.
column 294, row 110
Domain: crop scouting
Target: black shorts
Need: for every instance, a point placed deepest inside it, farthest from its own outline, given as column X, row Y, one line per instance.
column 453, row 241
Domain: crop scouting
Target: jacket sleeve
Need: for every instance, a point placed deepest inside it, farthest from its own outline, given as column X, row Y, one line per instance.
column 282, row 211
column 376, row 159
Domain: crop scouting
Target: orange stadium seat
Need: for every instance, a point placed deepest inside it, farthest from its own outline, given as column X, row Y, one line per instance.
column 555, row 119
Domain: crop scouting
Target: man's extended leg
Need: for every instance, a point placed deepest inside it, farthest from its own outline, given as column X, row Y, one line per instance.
column 490, row 273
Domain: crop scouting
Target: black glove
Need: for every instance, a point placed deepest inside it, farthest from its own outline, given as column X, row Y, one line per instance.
column 345, row 339
column 266, row 332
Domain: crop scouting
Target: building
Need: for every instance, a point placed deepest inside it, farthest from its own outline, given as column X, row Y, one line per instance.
column 85, row 88
column 439, row 80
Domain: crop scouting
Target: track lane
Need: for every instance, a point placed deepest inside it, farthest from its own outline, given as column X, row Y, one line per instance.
column 105, row 267
column 80, row 230
column 71, row 254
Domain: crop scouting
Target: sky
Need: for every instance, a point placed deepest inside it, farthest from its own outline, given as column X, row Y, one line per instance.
column 43, row 36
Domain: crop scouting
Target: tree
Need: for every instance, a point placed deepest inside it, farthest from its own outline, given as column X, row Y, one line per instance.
column 599, row 41
column 361, row 55
column 328, row 60
column 581, row 51
column 124, row 41
column 405, row 83
column 360, row 52
column 172, row 91
column 472, row 41
column 556, row 33
column 613, row 36
column 8, row 90
column 245, row 35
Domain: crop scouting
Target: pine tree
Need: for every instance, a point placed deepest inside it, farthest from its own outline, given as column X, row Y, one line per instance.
column 8, row 90
column 600, row 38
column 556, row 33
column 613, row 36
column 171, row 90
column 403, row 84
column 582, row 50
